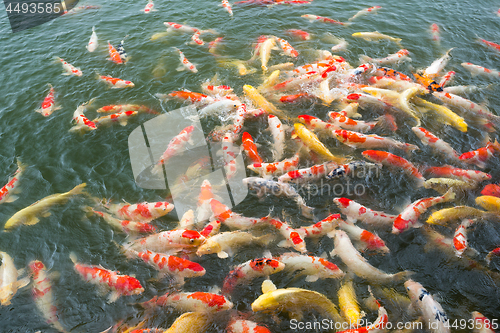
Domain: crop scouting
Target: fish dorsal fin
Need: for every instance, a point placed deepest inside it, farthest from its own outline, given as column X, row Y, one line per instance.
column 268, row 286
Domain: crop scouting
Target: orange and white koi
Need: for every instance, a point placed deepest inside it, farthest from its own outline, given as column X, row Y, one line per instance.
column 390, row 83
column 93, row 42
column 194, row 302
column 324, row 227
column 125, row 107
column 211, row 229
column 195, row 38
column 296, row 82
column 221, row 90
column 367, row 240
column 432, row 312
column 292, row 237
column 225, row 4
column 213, row 45
column 126, row 226
column 304, row 35
column 358, row 169
column 306, row 175
column 438, row 65
column 48, row 104
column 140, row 212
column 175, row 146
column 278, row 134
column 409, row 216
column 265, row 186
column 9, row 282
column 234, row 220
column 357, row 212
column 186, row 95
column 8, row 190
column 367, row 99
column 68, row 68
column 243, row 273
column 481, row 323
column 170, row 240
column 357, row 264
column 480, row 156
column 316, row 123
column 42, row 294
column 434, row 30
column 82, row 123
column 359, row 140
column 460, row 238
column 120, row 117
column 149, row 7
column 479, row 70
column 185, row 64
column 275, row 168
column 491, row 254
column 435, row 143
column 173, row 266
column 365, row 11
column 312, row 18
column 315, row 67
column 245, row 326
column 400, row 56
column 492, row 45
column 340, row 120
column 172, row 26
column 456, row 173
column 314, row 267
column 115, row 82
column 203, row 210
column 229, row 153
column 250, row 148
column 119, row 285
column 394, row 161
column 447, row 78
column 287, row 48
column 114, row 56
column 294, row 98
column 226, row 243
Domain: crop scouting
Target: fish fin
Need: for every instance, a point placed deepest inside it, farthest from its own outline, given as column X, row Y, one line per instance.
column 284, row 243
column 113, row 296
column 46, row 214
column 32, row 221
column 265, row 239
column 123, row 122
column 222, row 254
column 268, row 286
column 215, row 289
column 21, row 272
column 180, row 69
column 12, row 198
column 267, row 254
column 22, row 282
column 72, row 256
column 333, row 253
column 312, row 278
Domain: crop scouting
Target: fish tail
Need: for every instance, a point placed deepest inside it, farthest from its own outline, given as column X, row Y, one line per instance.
column 387, row 122
column 364, row 58
column 79, row 189
column 407, row 147
column 23, row 166
column 265, row 239
column 401, row 276
column 449, row 195
column 307, row 211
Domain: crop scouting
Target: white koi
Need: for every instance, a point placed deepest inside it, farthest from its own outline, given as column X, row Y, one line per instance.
column 93, row 42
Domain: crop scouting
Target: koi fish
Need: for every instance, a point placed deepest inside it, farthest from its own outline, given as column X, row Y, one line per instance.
column 354, row 169
column 171, row 26
column 121, row 51
column 460, row 238
column 359, row 140
column 278, row 134
column 203, row 208
column 245, row 326
column 42, row 294
column 265, row 52
column 196, row 38
column 173, row 266
column 357, row 264
column 409, row 217
column 428, row 82
column 261, row 102
column 287, row 48
column 265, row 186
column 250, row 148
column 149, row 7
column 348, row 304
column 93, row 42
column 168, row 240
column 365, row 11
column 292, row 237
column 394, row 161
column 378, row 325
column 368, row 100
column 434, row 29
column 225, row 4
column 492, row 45
column 229, row 156
column 114, row 56
column 186, row 95
column 375, row 36
column 312, row 18
column 82, row 123
column 313, row 143
column 234, row 220
column 456, row 173
column 276, row 168
column 28, row 215
column 126, row 226
column 400, row 56
column 443, row 216
column 8, row 190
column 481, row 323
column 314, row 267
column 431, row 310
column 120, row 117
column 324, row 227
column 211, row 229
column 68, row 68
column 115, row 82
column 434, row 142
column 367, row 240
column 306, row 175
column 125, row 107
column 442, row 185
column 490, row 189
column 341, row 120
column 9, row 282
column 479, row 70
column 185, row 64
column 404, row 101
column 357, row 212
column 438, row 65
column 480, row 156
column 193, row 301
column 449, row 117
column 175, row 146
column 119, row 285
column 226, row 243
column 315, row 123
column 213, row 45
column 48, row 104
column 294, row 98
column 489, row 203
column 304, row 35
column 491, row 254
column 447, row 78
column 195, row 322
column 140, row 212
column 250, row 270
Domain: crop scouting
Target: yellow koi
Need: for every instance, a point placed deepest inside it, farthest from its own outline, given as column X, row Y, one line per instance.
column 489, row 202
column 312, row 142
column 262, row 102
column 349, row 307
column 193, row 322
column 443, row 216
column 449, row 117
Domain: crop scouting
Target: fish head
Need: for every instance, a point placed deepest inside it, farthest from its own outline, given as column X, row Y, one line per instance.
column 415, row 290
column 210, row 246
column 192, row 238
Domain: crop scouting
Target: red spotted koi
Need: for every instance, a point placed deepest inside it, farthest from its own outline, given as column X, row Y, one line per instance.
column 492, row 45
column 126, row 226
column 175, row 146
column 115, row 82
column 447, row 78
column 434, row 29
column 456, row 173
column 278, row 134
column 481, row 156
column 225, row 4
column 141, row 212
column 245, row 326
column 7, row 191
column 120, row 117
column 305, row 175
column 357, row 212
column 292, row 237
column 316, row 124
column 48, row 104
column 340, row 120
column 114, row 56
column 229, row 155
column 435, row 143
column 304, row 35
column 172, row 26
column 193, row 302
column 276, row 168
column 460, row 238
column 400, row 56
column 287, row 48
column 324, row 227
column 368, row 240
column 68, row 68
column 149, row 7
column 169, row 240
column 250, row 148
column 82, row 123
column 314, row 267
column 233, row 220
column 323, row 19
column 261, row 267
column 479, row 70
column 185, row 63
column 359, row 140
column 365, row 11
